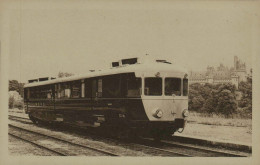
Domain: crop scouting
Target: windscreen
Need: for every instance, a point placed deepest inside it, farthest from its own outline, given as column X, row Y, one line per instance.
column 172, row 86
column 153, row 86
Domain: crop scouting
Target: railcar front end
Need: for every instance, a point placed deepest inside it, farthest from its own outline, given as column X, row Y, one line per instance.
column 165, row 101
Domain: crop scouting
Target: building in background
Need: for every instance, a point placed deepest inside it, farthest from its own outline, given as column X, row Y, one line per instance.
column 221, row 74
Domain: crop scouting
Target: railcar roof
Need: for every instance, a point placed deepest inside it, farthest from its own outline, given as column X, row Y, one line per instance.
column 135, row 68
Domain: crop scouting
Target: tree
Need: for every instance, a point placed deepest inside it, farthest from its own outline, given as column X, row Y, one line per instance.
column 64, row 74
column 209, row 99
column 211, row 103
column 192, row 93
column 14, row 85
column 197, row 103
column 220, row 98
column 11, row 102
column 205, row 90
column 195, row 98
column 15, row 100
column 198, row 94
column 226, row 104
column 246, row 100
column 228, row 86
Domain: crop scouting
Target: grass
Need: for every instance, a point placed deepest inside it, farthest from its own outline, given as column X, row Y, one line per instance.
column 218, row 127
column 218, row 120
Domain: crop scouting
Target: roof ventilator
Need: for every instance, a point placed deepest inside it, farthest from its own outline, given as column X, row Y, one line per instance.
column 124, row 62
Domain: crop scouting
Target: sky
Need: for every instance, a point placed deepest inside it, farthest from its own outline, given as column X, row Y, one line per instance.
column 46, row 37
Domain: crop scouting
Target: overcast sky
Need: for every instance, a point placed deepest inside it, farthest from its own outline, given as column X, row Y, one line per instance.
column 76, row 36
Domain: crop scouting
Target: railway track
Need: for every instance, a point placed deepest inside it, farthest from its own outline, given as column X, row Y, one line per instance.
column 20, row 119
column 200, row 151
column 149, row 150
column 197, row 142
column 54, row 144
column 169, row 147
column 160, row 150
column 37, row 145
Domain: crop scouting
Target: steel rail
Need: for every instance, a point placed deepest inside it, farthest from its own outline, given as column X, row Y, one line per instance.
column 19, row 119
column 65, row 141
column 25, row 122
column 175, row 153
column 209, row 143
column 210, row 151
column 35, row 144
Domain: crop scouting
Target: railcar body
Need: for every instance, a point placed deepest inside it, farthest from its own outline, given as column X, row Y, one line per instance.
column 145, row 97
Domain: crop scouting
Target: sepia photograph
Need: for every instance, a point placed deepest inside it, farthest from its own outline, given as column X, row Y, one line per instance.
column 166, row 80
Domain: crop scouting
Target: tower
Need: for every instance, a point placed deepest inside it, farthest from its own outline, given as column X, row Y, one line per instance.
column 240, row 69
column 235, row 62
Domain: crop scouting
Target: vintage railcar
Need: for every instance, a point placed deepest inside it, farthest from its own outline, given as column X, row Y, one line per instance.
column 145, row 97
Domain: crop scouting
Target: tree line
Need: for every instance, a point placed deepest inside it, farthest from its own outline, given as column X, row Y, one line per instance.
column 14, row 85
column 224, row 99
column 16, row 92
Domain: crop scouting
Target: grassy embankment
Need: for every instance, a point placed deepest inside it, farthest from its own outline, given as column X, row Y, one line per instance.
column 219, row 120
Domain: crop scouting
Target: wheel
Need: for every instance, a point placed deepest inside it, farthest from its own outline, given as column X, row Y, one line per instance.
column 33, row 119
column 156, row 135
column 157, row 138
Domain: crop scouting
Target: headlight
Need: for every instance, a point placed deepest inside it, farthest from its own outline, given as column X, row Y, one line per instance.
column 185, row 113
column 158, row 113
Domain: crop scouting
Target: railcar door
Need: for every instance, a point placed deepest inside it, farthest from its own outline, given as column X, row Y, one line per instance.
column 53, row 96
column 94, row 93
column 94, row 89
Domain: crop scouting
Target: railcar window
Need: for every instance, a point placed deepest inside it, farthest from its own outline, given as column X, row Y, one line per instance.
column 100, row 87
column 129, row 61
column 45, row 92
column 185, row 87
column 88, row 87
column 41, row 92
column 82, row 88
column 173, row 86
column 33, row 93
column 37, row 93
column 57, row 90
column 134, row 87
column 76, row 85
column 49, row 94
column 94, row 88
column 65, row 91
column 153, row 86
column 111, row 86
